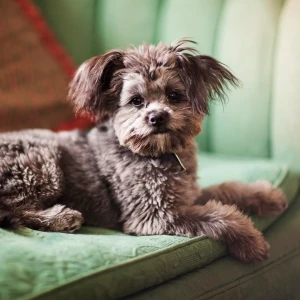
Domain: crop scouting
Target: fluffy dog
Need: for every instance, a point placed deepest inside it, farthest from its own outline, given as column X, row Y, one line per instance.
column 136, row 169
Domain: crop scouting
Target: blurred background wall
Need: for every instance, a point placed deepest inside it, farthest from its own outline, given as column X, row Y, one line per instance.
column 90, row 27
column 247, row 35
column 257, row 39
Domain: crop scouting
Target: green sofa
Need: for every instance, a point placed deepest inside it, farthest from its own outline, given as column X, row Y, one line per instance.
column 255, row 136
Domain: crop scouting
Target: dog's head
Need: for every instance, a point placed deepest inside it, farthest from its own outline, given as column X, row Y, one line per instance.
column 156, row 97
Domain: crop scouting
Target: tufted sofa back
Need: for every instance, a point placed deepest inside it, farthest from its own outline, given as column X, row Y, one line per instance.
column 258, row 39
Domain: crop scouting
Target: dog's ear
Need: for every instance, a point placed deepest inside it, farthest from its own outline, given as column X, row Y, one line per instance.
column 205, row 79
column 95, row 87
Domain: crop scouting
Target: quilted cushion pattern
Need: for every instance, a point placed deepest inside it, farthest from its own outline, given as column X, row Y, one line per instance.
column 109, row 264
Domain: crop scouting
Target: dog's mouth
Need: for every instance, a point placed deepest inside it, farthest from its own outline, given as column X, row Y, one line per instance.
column 160, row 130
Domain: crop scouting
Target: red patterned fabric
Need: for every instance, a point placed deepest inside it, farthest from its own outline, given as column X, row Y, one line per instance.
column 34, row 72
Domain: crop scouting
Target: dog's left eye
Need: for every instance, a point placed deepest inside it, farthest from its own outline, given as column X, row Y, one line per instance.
column 137, row 101
column 174, row 97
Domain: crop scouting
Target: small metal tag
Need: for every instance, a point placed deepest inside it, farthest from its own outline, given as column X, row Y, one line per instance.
column 179, row 161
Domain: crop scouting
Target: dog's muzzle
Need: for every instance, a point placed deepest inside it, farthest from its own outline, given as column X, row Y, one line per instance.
column 158, row 120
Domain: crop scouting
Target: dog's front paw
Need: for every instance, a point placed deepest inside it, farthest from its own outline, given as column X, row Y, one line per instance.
column 73, row 220
column 268, row 200
column 250, row 249
column 64, row 219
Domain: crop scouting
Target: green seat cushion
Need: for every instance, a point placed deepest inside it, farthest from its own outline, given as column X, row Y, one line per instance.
column 226, row 278
column 107, row 264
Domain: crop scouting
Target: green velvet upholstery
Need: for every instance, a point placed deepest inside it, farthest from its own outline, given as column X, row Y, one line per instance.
column 226, row 278
column 285, row 122
column 258, row 40
column 254, row 136
column 109, row 264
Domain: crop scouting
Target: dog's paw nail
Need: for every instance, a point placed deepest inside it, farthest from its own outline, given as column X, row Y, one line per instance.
column 74, row 228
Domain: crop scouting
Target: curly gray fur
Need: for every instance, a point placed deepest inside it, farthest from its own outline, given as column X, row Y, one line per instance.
column 123, row 172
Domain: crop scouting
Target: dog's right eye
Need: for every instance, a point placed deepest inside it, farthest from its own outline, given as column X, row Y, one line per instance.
column 137, row 101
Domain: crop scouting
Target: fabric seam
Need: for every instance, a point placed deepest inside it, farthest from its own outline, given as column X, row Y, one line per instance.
column 294, row 252
column 124, row 264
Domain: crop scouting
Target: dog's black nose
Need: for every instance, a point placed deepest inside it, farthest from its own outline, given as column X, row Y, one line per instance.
column 158, row 118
